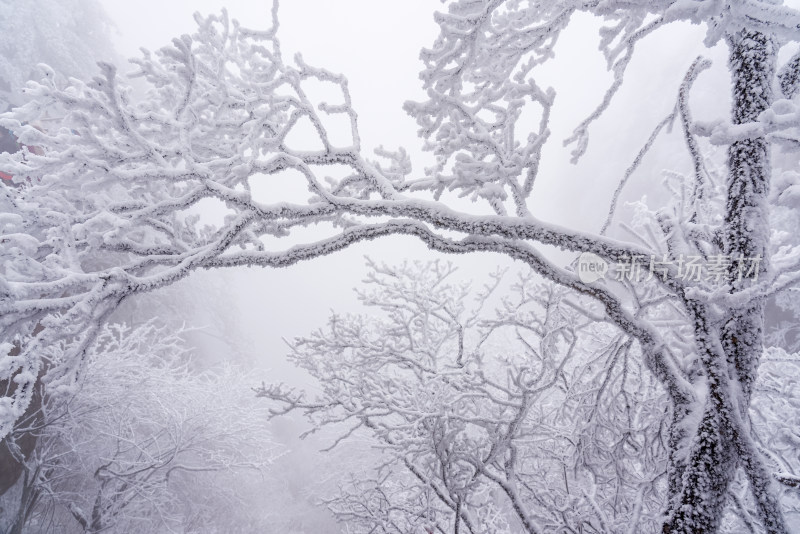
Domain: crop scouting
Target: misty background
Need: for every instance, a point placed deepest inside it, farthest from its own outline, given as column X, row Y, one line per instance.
column 244, row 315
column 376, row 46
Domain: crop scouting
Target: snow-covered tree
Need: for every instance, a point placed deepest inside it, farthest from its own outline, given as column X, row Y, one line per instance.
column 109, row 212
column 526, row 415
column 144, row 445
column 69, row 35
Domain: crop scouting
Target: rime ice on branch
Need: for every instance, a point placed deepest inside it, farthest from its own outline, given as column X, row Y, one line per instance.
column 106, row 211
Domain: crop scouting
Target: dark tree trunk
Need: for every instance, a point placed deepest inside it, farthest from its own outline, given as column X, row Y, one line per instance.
column 731, row 354
column 19, row 444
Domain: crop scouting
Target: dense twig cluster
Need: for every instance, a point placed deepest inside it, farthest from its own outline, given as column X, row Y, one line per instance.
column 109, row 208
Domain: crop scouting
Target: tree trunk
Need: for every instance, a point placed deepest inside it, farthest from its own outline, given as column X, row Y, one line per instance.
column 731, row 360
column 752, row 64
column 20, row 443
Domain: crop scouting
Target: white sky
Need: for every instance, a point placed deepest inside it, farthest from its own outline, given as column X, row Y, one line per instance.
column 376, row 44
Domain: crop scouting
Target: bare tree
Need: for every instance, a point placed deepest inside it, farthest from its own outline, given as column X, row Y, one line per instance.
column 523, row 414
column 106, row 214
column 139, row 443
column 510, row 406
column 69, row 35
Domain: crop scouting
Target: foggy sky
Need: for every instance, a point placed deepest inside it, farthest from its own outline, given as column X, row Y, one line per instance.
column 376, row 45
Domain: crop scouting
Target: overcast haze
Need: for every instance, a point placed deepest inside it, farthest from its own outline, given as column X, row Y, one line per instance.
column 540, row 400
column 376, row 45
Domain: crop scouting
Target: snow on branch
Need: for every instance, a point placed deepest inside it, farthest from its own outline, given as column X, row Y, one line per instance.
column 106, row 204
